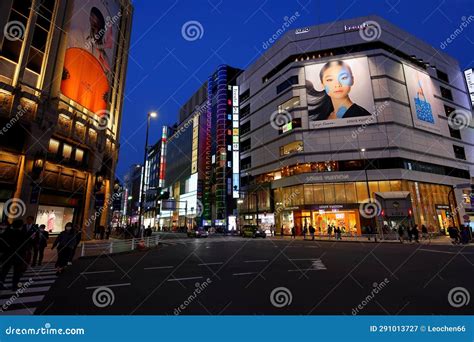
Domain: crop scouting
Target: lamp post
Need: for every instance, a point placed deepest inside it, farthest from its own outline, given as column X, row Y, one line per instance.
column 142, row 188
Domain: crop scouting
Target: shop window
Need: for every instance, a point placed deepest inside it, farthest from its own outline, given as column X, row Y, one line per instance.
column 340, row 193
column 329, row 196
column 446, row 93
column 294, row 147
column 308, row 194
column 289, row 105
column 318, row 193
column 362, row 194
column 67, row 151
column 54, row 218
column 459, row 152
column 351, row 194
column 53, row 146
column 79, row 155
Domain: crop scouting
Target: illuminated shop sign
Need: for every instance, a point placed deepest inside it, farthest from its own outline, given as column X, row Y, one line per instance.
column 235, row 143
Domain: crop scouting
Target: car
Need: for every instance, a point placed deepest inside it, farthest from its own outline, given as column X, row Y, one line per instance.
column 253, row 232
column 198, row 233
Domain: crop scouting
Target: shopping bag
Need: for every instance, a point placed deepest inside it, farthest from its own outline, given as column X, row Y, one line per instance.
column 423, row 110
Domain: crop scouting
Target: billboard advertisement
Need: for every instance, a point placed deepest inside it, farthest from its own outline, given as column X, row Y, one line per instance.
column 90, row 53
column 422, row 101
column 339, row 93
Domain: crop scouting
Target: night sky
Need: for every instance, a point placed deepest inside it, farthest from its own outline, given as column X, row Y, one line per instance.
column 164, row 69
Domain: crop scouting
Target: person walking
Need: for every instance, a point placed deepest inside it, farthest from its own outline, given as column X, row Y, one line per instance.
column 66, row 241
column 329, row 231
column 78, row 236
column 400, row 233
column 424, row 233
column 31, row 230
column 14, row 244
column 312, row 231
column 415, row 233
column 293, row 232
column 41, row 243
column 305, row 230
column 410, row 233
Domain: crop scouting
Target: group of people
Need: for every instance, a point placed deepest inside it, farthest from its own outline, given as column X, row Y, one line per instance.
column 101, row 233
column 459, row 236
column 23, row 244
column 412, row 233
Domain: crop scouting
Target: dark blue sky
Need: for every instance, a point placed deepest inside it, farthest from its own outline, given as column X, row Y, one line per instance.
column 164, row 69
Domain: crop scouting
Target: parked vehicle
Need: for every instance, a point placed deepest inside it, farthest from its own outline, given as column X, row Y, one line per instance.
column 198, row 233
column 253, row 232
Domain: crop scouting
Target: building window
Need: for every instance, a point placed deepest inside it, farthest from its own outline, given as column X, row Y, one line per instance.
column 294, row 147
column 245, row 95
column 455, row 133
column 446, row 93
column 290, row 104
column 245, row 145
column 448, row 110
column 442, row 76
column 245, row 111
column 246, row 163
column 67, row 151
column 79, row 156
column 53, row 146
column 286, row 84
column 245, row 128
column 20, row 12
column 459, row 152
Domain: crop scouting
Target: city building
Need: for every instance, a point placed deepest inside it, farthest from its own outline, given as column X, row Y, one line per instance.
column 60, row 108
column 202, row 157
column 350, row 124
column 469, row 75
column 132, row 194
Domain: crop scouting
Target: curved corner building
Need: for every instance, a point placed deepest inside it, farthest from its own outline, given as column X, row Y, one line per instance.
column 346, row 124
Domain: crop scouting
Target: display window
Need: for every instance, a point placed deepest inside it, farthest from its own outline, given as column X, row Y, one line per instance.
column 54, row 218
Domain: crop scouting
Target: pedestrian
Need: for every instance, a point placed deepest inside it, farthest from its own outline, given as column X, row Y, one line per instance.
column 31, row 230
column 293, row 232
column 78, row 236
column 329, row 231
column 305, row 230
column 66, row 242
column 312, row 231
column 14, row 244
column 464, row 235
column 400, row 233
column 97, row 232
column 101, row 232
column 41, row 243
column 424, row 233
column 410, row 233
column 109, row 231
column 415, row 233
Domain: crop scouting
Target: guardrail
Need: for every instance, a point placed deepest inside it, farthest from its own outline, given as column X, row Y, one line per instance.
column 118, row 246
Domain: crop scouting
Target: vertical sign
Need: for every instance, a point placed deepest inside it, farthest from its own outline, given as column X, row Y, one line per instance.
column 235, row 143
column 164, row 135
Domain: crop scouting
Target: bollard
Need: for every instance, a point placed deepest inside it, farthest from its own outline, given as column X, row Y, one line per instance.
column 111, row 248
column 83, row 251
column 133, row 244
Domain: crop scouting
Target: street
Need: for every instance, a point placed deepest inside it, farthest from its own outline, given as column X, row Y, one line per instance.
column 234, row 275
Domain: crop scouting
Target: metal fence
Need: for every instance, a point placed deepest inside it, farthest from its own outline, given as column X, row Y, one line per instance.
column 117, row 246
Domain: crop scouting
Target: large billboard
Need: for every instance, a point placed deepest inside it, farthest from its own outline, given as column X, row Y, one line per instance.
column 90, row 54
column 339, row 93
column 422, row 101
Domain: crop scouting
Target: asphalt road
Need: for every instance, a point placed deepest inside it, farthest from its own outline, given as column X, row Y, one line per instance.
column 234, row 275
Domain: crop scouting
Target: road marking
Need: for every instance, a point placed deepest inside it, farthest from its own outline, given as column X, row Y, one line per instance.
column 436, row 251
column 243, row 273
column 211, row 263
column 29, row 290
column 26, row 311
column 312, row 259
column 112, row 285
column 189, row 278
column 96, row 272
column 158, row 268
column 262, row 260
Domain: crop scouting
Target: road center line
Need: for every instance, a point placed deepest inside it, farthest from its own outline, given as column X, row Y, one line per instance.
column 112, row 285
column 158, row 268
column 189, row 278
column 211, row 263
column 262, row 260
column 97, row 272
column 436, row 251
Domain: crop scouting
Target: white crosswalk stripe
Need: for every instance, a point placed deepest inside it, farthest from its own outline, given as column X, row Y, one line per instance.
column 35, row 283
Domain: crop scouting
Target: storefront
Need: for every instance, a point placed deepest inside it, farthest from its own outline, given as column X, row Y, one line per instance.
column 54, row 218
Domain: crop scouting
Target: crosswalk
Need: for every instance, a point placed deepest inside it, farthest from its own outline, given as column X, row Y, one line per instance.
column 35, row 283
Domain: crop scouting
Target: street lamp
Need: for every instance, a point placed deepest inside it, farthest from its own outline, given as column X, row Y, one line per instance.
column 148, row 119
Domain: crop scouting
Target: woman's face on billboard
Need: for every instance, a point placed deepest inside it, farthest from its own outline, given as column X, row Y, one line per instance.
column 337, row 81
